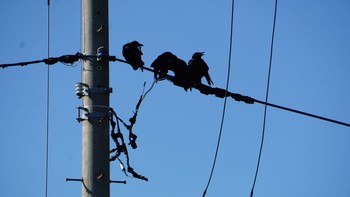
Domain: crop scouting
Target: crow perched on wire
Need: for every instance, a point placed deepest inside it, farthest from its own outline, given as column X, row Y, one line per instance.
column 163, row 64
column 181, row 72
column 132, row 54
column 168, row 61
column 198, row 69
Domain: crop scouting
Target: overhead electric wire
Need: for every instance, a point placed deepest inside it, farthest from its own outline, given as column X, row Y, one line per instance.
column 266, row 100
column 238, row 97
column 225, row 100
column 21, row 63
column 303, row 113
column 47, row 102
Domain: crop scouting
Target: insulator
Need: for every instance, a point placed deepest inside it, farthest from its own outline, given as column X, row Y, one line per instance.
column 122, row 166
column 81, row 89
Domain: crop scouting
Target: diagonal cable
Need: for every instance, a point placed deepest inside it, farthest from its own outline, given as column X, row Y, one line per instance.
column 266, row 100
column 224, row 107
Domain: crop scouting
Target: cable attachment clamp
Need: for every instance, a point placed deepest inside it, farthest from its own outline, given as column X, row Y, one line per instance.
column 102, row 54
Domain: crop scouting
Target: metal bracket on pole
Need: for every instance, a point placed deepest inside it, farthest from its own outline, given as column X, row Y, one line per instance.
column 100, row 90
column 100, row 115
column 80, row 180
column 82, row 89
column 82, row 117
column 110, row 181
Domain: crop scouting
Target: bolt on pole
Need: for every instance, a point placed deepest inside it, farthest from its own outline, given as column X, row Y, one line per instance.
column 95, row 73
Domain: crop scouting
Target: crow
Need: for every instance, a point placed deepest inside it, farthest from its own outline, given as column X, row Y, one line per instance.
column 163, row 64
column 132, row 54
column 181, row 72
column 198, row 69
column 168, row 61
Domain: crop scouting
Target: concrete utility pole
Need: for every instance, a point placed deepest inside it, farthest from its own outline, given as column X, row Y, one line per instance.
column 95, row 74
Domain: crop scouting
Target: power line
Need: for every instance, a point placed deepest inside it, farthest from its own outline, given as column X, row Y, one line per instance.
column 47, row 102
column 204, row 89
column 303, row 113
column 65, row 59
column 21, row 63
column 266, row 99
column 225, row 100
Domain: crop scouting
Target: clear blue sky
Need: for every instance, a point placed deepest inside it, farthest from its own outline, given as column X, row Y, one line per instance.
column 177, row 130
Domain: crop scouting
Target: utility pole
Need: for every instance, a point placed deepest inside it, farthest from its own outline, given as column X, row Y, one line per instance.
column 95, row 75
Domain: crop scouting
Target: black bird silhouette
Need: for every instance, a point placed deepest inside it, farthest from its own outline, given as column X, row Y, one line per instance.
column 181, row 72
column 168, row 61
column 132, row 54
column 198, row 69
column 163, row 64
